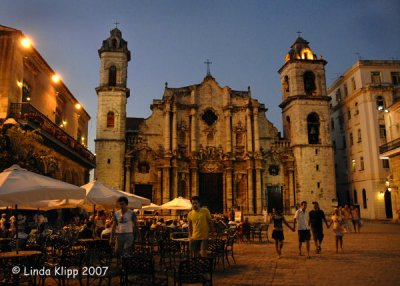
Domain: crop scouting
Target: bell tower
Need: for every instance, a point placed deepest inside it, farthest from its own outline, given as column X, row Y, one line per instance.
column 305, row 110
column 112, row 95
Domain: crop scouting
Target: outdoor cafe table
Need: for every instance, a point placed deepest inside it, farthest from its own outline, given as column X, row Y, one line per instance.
column 21, row 253
column 184, row 242
column 90, row 245
column 11, row 259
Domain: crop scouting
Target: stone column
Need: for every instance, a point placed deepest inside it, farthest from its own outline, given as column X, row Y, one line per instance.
column 256, row 131
column 128, row 174
column 258, row 188
column 249, row 133
column 292, row 195
column 166, row 185
column 250, row 189
column 195, row 182
column 174, row 187
column 228, row 187
column 193, row 131
column 167, row 131
column 228, row 131
column 174, row 131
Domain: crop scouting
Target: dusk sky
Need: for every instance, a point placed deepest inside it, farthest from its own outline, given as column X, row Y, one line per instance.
column 170, row 40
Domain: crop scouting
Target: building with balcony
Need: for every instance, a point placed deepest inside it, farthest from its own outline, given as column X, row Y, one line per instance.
column 391, row 150
column 33, row 95
column 360, row 100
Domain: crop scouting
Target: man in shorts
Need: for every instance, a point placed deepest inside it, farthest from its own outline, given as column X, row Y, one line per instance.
column 302, row 219
column 317, row 216
column 200, row 224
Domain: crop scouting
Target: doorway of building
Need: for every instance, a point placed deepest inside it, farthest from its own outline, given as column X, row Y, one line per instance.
column 144, row 191
column 388, row 204
column 211, row 191
column 275, row 199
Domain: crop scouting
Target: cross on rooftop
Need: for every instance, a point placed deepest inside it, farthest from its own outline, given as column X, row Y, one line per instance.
column 208, row 63
column 116, row 24
column 299, row 32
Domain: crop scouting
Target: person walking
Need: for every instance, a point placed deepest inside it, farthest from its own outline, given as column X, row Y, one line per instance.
column 302, row 219
column 200, row 224
column 124, row 221
column 277, row 234
column 347, row 217
column 355, row 214
column 317, row 216
column 337, row 222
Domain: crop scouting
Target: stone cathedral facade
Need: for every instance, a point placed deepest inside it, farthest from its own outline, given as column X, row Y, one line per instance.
column 216, row 142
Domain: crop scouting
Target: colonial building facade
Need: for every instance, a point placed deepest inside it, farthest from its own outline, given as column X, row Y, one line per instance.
column 361, row 98
column 32, row 97
column 216, row 142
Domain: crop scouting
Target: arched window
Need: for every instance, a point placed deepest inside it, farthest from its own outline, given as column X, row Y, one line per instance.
column 112, row 76
column 286, row 87
column 110, row 119
column 309, row 82
column 355, row 197
column 313, row 128
column 364, row 196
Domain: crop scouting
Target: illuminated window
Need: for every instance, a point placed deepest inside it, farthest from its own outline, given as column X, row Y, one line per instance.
column 26, row 92
column 380, row 103
column 110, row 119
column 353, row 165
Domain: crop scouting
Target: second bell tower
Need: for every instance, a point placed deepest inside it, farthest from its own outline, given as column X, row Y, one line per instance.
column 305, row 110
column 112, row 96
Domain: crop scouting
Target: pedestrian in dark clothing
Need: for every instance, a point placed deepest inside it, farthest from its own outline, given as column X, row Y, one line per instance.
column 317, row 216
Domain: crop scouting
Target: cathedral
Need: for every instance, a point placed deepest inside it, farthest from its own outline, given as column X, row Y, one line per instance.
column 216, row 142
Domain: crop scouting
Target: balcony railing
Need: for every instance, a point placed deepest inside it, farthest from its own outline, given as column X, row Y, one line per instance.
column 281, row 144
column 28, row 114
column 389, row 146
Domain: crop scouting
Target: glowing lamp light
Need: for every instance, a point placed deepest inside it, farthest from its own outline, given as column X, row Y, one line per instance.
column 19, row 84
column 26, row 43
column 55, row 78
column 64, row 123
column 386, row 110
column 78, row 106
column 28, row 99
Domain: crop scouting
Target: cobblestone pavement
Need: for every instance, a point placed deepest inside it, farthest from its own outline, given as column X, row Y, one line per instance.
column 369, row 258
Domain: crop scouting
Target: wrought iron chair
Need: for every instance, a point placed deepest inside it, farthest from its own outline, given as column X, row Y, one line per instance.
column 194, row 271
column 138, row 268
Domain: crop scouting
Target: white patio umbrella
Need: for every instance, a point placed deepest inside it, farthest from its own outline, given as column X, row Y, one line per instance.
column 19, row 186
column 143, row 200
column 22, row 187
column 151, row 207
column 104, row 196
column 178, row 203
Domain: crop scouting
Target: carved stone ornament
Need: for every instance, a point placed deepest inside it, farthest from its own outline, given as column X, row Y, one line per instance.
column 211, row 167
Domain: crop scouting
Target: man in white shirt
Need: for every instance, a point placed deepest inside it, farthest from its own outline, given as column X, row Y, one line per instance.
column 124, row 221
column 303, row 228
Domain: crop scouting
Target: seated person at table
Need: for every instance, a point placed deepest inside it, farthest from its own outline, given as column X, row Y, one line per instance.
column 100, row 222
column 106, row 232
column 86, row 230
column 154, row 224
column 246, row 229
